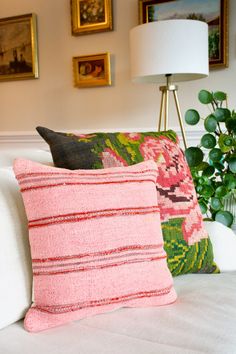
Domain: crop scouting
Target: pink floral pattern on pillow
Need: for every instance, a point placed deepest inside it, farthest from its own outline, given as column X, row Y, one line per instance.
column 111, row 159
column 175, row 189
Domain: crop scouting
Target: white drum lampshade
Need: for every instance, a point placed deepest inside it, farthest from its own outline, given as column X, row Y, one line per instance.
column 176, row 47
column 165, row 51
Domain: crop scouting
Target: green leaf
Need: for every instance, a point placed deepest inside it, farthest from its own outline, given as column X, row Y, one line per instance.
column 208, row 141
column 203, row 206
column 222, row 114
column 209, row 171
column 225, row 142
column 230, row 181
column 232, row 163
column 221, row 191
column 205, row 97
column 194, row 172
column 207, row 191
column 192, row 117
column 202, row 180
column 231, row 124
column 218, row 166
column 202, row 166
column 219, row 96
column 224, row 217
column 194, row 156
column 216, row 204
column 210, row 123
column 215, row 155
column 199, row 189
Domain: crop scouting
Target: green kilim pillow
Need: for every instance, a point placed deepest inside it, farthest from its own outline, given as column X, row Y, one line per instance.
column 186, row 242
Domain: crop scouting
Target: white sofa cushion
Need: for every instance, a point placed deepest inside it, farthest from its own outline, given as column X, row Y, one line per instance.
column 224, row 245
column 15, row 267
column 8, row 155
column 15, row 261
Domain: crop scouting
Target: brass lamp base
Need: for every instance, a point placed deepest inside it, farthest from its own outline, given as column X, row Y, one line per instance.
column 164, row 110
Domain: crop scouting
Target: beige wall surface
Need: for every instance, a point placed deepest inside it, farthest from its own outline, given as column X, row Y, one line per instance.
column 53, row 101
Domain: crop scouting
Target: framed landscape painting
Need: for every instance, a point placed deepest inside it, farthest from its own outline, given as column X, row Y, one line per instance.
column 90, row 16
column 18, row 48
column 92, row 70
column 213, row 12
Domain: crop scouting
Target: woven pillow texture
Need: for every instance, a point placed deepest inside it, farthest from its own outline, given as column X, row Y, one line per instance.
column 96, row 241
column 186, row 241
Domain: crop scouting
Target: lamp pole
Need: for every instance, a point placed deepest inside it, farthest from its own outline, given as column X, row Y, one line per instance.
column 164, row 109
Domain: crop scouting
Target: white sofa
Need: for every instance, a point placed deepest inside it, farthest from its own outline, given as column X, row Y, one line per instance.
column 203, row 320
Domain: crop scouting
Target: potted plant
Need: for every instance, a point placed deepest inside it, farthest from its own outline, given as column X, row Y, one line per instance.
column 213, row 162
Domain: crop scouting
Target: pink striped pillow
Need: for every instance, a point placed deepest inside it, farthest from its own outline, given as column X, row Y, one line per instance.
column 96, row 241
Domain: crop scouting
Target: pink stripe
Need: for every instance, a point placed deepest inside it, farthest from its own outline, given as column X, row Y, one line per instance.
column 81, row 173
column 75, row 177
column 75, row 217
column 141, row 254
column 102, row 266
column 102, row 302
column 101, row 253
column 64, row 184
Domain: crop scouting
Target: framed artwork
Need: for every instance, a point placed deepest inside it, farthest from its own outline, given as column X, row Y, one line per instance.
column 18, row 48
column 213, row 12
column 89, row 16
column 92, row 70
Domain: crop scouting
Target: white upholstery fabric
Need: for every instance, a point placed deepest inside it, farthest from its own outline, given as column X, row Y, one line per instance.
column 15, row 268
column 203, row 320
column 15, row 263
column 224, row 245
column 7, row 156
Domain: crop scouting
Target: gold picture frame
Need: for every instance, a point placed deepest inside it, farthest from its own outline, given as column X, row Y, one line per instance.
column 91, row 16
column 213, row 12
column 18, row 48
column 92, row 70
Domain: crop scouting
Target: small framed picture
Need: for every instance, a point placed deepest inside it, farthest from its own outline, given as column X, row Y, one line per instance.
column 92, row 70
column 89, row 16
column 18, row 48
column 213, row 12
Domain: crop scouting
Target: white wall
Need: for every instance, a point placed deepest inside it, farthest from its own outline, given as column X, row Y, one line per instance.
column 52, row 100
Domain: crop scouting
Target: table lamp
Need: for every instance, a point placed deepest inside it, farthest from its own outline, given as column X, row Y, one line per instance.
column 169, row 51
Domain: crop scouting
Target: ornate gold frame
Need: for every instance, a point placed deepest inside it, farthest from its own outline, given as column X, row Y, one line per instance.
column 92, row 70
column 79, row 28
column 18, row 68
column 222, row 60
